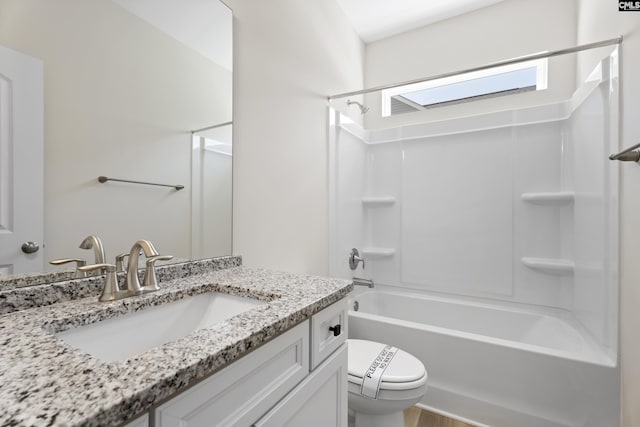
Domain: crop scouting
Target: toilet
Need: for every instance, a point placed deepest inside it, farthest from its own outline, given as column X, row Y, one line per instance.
column 383, row 381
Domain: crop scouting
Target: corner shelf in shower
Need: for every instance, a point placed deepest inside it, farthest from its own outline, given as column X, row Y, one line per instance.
column 549, row 198
column 378, row 201
column 378, row 252
column 549, row 265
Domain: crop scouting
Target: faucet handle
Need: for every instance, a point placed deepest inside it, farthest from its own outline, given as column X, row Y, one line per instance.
column 61, row 261
column 120, row 261
column 110, row 290
column 107, row 267
column 79, row 263
column 150, row 281
column 354, row 259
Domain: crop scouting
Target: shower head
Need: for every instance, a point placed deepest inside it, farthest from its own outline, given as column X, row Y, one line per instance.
column 363, row 109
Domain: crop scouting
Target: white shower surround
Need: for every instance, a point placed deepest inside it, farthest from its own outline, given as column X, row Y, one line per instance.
column 547, row 194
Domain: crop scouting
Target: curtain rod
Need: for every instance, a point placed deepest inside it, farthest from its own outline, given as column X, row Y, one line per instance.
column 602, row 43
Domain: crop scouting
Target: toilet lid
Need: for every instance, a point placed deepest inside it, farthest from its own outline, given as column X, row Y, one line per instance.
column 403, row 368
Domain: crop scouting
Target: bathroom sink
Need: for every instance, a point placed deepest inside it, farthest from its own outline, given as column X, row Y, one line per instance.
column 127, row 336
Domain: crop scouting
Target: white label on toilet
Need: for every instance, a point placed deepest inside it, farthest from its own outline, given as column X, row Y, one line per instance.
column 373, row 377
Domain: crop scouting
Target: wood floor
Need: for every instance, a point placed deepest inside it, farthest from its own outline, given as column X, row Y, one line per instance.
column 416, row 417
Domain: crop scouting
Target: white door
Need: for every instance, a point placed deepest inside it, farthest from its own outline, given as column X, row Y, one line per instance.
column 21, row 162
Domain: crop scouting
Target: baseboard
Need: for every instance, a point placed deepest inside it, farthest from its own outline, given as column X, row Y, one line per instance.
column 479, row 413
column 450, row 415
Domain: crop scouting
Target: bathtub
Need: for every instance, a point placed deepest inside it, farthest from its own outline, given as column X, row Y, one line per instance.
column 492, row 364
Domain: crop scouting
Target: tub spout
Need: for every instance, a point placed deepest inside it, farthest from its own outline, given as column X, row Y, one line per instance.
column 358, row 281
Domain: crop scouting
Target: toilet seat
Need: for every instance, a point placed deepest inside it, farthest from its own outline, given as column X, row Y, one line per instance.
column 404, row 377
column 392, row 386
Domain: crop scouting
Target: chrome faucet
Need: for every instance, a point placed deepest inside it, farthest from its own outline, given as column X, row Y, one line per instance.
column 94, row 242
column 131, row 287
column 132, row 283
column 89, row 242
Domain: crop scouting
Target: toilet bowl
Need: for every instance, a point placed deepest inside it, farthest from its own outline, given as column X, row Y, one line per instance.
column 383, row 381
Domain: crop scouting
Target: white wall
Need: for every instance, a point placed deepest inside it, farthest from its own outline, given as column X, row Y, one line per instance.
column 120, row 100
column 289, row 56
column 502, row 31
column 600, row 20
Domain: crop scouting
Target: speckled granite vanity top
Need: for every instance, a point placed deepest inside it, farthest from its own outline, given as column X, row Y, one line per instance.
column 43, row 381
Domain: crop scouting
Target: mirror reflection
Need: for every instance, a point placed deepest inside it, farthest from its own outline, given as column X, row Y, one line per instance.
column 114, row 88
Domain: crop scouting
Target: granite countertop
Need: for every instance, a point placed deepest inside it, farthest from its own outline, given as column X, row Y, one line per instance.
column 44, row 381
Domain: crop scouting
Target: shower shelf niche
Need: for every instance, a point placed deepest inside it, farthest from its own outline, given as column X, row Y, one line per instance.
column 378, row 252
column 378, row 201
column 549, row 265
column 549, row 198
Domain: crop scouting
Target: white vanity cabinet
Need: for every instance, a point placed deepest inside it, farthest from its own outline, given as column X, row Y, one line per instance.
column 298, row 378
column 142, row 421
column 319, row 401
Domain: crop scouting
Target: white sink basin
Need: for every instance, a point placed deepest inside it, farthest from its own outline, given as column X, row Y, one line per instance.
column 124, row 337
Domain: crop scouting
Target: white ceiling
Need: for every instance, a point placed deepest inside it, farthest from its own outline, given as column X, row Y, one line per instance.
column 203, row 25
column 378, row 19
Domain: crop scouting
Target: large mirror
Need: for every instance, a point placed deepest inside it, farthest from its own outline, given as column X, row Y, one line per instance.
column 123, row 85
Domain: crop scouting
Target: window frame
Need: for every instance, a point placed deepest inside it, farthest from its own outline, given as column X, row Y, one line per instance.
column 541, row 65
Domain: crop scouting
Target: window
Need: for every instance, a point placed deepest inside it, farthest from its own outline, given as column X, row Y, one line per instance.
column 497, row 81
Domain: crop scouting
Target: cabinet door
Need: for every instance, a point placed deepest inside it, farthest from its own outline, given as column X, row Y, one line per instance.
column 319, row 401
column 324, row 338
column 240, row 393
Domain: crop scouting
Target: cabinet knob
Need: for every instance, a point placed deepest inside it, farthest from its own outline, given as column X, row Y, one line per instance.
column 336, row 330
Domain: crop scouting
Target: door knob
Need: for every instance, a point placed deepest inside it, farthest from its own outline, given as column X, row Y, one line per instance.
column 30, row 247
